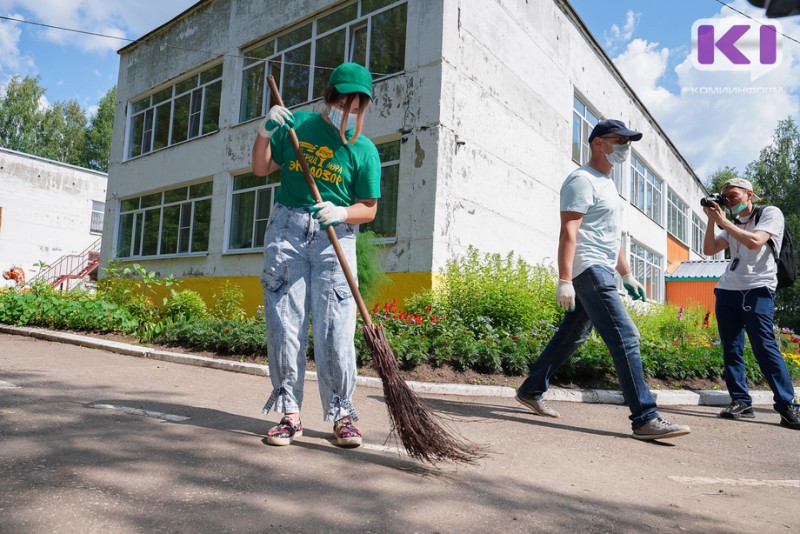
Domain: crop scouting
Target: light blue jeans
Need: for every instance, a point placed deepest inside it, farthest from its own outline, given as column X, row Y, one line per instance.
column 302, row 278
column 598, row 304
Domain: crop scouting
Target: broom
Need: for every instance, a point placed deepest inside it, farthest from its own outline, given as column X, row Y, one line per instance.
column 421, row 434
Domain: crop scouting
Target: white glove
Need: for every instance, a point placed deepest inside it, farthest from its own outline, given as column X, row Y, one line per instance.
column 276, row 118
column 329, row 214
column 565, row 295
column 634, row 288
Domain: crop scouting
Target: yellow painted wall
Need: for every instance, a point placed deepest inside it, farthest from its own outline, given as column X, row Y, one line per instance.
column 403, row 285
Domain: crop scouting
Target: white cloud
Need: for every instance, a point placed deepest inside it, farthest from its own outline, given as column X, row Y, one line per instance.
column 617, row 36
column 12, row 60
column 717, row 118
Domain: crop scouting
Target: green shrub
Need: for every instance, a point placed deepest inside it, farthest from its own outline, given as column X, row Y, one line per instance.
column 506, row 289
column 368, row 260
column 227, row 304
column 186, row 305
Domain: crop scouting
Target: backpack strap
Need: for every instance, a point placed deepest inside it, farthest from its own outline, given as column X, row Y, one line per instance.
column 757, row 215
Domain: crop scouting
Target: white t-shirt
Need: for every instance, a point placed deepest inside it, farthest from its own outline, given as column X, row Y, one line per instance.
column 755, row 268
column 594, row 194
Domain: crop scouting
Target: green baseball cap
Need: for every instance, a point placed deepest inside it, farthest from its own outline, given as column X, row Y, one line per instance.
column 351, row 78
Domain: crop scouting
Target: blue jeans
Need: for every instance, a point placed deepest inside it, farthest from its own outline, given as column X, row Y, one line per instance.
column 598, row 304
column 302, row 278
column 752, row 311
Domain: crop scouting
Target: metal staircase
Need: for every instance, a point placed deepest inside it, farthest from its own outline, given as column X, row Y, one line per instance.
column 70, row 271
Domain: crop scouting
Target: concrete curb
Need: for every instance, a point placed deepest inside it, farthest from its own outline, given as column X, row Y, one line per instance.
column 593, row 396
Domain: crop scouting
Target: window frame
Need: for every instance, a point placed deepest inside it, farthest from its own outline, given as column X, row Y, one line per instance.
column 647, row 190
column 677, row 214
column 645, row 263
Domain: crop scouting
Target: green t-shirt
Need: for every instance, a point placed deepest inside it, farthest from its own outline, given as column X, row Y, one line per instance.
column 343, row 173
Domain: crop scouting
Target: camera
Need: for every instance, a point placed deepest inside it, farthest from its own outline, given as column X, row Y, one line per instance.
column 718, row 198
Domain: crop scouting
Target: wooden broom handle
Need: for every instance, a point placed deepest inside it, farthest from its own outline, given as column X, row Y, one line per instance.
column 312, row 185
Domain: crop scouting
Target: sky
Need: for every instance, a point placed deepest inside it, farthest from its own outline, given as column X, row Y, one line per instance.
column 715, row 118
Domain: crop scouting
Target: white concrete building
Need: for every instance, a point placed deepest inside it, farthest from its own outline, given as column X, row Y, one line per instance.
column 47, row 210
column 481, row 110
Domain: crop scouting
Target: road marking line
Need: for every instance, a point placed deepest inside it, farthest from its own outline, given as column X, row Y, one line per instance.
column 8, row 385
column 145, row 413
column 699, row 481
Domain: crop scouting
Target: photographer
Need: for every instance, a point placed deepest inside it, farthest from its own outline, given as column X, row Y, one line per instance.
column 746, row 298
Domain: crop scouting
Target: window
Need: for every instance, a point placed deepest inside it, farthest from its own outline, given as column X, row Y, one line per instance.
column 385, row 223
column 646, row 190
column 583, row 120
column 182, row 111
column 370, row 32
column 171, row 222
column 677, row 216
column 251, row 202
column 96, row 221
column 646, row 267
column 698, row 232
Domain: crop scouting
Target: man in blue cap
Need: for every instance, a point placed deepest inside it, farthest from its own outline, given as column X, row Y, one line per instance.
column 589, row 251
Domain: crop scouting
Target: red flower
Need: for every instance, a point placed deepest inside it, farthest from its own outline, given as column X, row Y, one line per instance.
column 227, row 330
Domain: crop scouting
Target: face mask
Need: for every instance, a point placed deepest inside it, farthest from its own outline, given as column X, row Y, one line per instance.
column 335, row 115
column 620, row 154
column 738, row 208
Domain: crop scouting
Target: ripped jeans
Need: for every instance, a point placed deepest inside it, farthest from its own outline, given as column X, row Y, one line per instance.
column 302, row 278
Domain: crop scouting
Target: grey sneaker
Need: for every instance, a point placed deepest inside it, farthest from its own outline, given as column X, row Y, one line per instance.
column 537, row 406
column 660, row 429
column 737, row 409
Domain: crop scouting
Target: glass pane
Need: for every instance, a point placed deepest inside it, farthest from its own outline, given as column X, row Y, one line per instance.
column 257, row 54
column 246, row 181
column 358, row 45
column 185, row 227
column 161, row 135
column 387, row 52
column 337, row 18
column 294, row 37
column 576, row 137
column 162, row 95
column 152, row 220
column 253, row 85
column 578, row 106
column 211, row 74
column 137, row 128
column 194, row 113
column 295, row 76
column 175, row 195
column 368, row 6
column 169, row 229
column 130, row 204
column 200, row 190
column 264, row 204
column 180, row 119
column 149, row 201
column 242, row 209
column 211, row 107
column 124, row 237
column 137, row 234
column 141, row 105
column 186, row 85
column 330, row 53
column 147, row 132
column 385, row 221
column 389, row 151
column 200, row 225
column 260, row 231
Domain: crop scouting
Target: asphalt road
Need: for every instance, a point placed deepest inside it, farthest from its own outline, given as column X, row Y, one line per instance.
column 94, row 442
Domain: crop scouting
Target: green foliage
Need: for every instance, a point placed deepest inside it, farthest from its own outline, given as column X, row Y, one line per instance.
column 185, row 305
column 132, row 287
column 58, row 131
column 245, row 337
column 228, row 303
column 368, row 259
column 506, row 289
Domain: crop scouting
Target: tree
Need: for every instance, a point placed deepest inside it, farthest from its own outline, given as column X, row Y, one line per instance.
column 720, row 176
column 776, row 178
column 20, row 115
column 62, row 133
column 98, row 135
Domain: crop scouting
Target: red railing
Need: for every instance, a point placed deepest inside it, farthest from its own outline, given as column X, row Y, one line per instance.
column 71, row 267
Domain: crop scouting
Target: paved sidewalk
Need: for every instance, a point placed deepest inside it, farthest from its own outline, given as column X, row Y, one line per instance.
column 97, row 442
column 595, row 396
